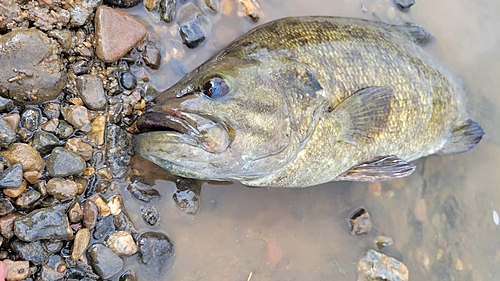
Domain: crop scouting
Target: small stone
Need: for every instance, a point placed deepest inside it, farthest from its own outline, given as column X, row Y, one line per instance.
column 151, row 4
column 28, row 198
column 50, row 126
column 64, row 129
column 52, row 110
column 44, row 142
column 80, row 67
column 81, row 10
column 377, row 266
column 91, row 91
column 7, row 225
column 104, row 228
column 30, row 119
column 82, row 239
column 15, row 192
column 187, row 196
column 13, row 120
column 383, row 242
column 405, row 4
column 81, row 185
column 128, row 275
column 6, row 207
column 34, row 252
column 90, row 213
column 167, row 10
column 32, row 176
column 61, row 188
column 104, row 261
column 63, row 162
column 420, row 210
column 151, row 55
column 194, row 26
column 105, row 173
column 213, row 5
column 156, row 252
column 98, row 127
column 128, row 80
column 104, row 210
column 110, row 25
column 79, row 147
column 375, row 189
column 6, row 105
column 115, row 204
column 118, row 150
column 122, row 243
column 359, row 221
column 459, row 265
column 63, row 36
column 17, row 270
column 88, row 172
column 150, row 214
column 75, row 213
column 25, row 155
column 54, row 269
column 46, row 223
column 77, row 116
column 7, row 134
column 122, row 222
column 252, row 9
column 11, row 177
column 142, row 192
column 122, row 3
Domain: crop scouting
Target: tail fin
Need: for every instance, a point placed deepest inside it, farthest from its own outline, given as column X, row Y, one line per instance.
column 464, row 136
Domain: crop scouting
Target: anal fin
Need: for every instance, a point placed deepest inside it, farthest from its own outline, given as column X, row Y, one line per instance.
column 380, row 168
column 464, row 136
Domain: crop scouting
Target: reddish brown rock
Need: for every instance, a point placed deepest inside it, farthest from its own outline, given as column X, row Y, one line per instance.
column 25, row 155
column 117, row 33
column 7, row 225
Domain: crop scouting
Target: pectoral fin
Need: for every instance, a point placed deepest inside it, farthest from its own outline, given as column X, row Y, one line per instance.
column 365, row 113
column 380, row 168
column 464, row 136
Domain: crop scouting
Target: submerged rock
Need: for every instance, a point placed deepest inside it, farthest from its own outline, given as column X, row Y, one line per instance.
column 150, row 214
column 359, row 221
column 142, row 192
column 194, row 26
column 252, row 9
column 156, row 252
column 405, row 4
column 31, row 72
column 377, row 266
column 111, row 25
column 118, row 150
column 45, row 223
column 104, row 261
column 187, row 196
column 167, row 10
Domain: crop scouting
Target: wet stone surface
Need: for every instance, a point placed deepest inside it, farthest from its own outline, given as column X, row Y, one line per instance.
column 118, row 150
column 44, row 142
column 155, row 252
column 104, row 228
column 104, row 261
column 359, row 221
column 142, row 191
column 63, row 162
column 187, row 196
column 34, row 252
column 167, row 10
column 377, row 266
column 150, row 214
column 45, row 223
column 11, row 177
column 194, row 26
column 7, row 134
column 91, row 91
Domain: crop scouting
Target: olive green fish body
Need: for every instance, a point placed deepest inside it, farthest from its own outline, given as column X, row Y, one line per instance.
column 303, row 101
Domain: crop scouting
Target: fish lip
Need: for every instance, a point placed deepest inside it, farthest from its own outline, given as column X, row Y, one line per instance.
column 168, row 120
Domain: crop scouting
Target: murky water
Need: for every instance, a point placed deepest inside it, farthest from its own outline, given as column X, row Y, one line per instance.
column 440, row 218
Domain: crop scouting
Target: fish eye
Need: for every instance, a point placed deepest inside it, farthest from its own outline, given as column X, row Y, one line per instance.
column 215, row 87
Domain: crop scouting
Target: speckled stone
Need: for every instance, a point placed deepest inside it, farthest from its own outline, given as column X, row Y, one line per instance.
column 61, row 188
column 122, row 243
column 77, row 116
column 17, row 270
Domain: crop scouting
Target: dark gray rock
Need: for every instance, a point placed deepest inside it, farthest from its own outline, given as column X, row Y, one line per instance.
column 34, row 252
column 151, row 55
column 194, row 26
column 44, row 142
column 63, row 162
column 104, row 228
column 377, row 266
column 29, row 76
column 128, row 80
column 123, row 3
column 27, row 198
column 80, row 67
column 30, row 119
column 156, row 252
column 46, row 223
column 7, row 134
column 150, row 214
column 65, row 130
column 6, row 105
column 51, row 270
column 52, row 110
column 123, row 223
column 11, row 177
column 142, row 191
column 118, row 150
column 187, row 196
column 405, row 4
column 91, row 91
column 128, row 276
column 167, row 10
column 104, row 261
column 6, row 207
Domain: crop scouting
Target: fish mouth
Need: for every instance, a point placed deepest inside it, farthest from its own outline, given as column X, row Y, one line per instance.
column 209, row 133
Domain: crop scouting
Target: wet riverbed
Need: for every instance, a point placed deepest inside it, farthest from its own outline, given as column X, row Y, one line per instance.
column 440, row 218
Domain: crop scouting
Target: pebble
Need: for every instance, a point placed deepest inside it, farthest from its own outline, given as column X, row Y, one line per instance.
column 375, row 189
column 77, row 116
column 150, row 214
column 128, row 276
column 30, row 119
column 122, row 3
column 115, row 204
column 45, row 223
column 53, row 270
column 156, row 251
column 377, row 266
column 90, row 213
column 122, row 222
column 110, row 25
column 151, row 55
column 252, row 9
column 104, row 210
column 79, row 147
column 7, row 225
column 383, row 242
column 405, row 4
column 44, row 142
column 118, row 150
column 81, row 10
column 104, row 261
column 82, row 239
column 37, row 82
column 75, row 212
column 187, row 196
column 17, row 270
column 7, row 134
column 105, row 173
column 32, row 177
column 142, row 192
column 81, row 184
column 167, row 10
column 6, row 207
column 122, row 243
column 15, row 192
column 13, row 120
column 52, row 110
column 151, row 4
column 420, row 210
column 62, row 36
column 25, row 155
column 98, row 127
column 496, row 219
column 63, row 162
column 11, row 177
column 6, row 105
column 194, row 26
column 91, row 91
column 61, row 188
column 212, row 4
column 34, row 252
column 80, row 67
column 64, row 129
column 128, row 80
column 359, row 221
column 104, row 228
column 28, row 198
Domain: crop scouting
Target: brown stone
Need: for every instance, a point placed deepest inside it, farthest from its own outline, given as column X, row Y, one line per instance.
column 79, row 147
column 96, row 134
column 25, row 155
column 117, row 33
column 61, row 188
column 104, row 210
column 17, row 270
column 82, row 239
column 15, row 192
column 7, row 225
column 90, row 213
column 32, row 176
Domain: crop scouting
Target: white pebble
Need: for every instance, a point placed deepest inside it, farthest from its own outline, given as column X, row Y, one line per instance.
column 496, row 219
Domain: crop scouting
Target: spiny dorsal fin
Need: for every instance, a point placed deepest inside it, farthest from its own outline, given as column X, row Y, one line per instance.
column 380, row 168
column 464, row 136
column 365, row 113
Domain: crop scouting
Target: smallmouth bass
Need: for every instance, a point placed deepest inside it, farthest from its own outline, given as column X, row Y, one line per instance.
column 302, row 101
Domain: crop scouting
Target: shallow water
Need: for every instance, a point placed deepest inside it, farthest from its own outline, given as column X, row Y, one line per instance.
column 440, row 218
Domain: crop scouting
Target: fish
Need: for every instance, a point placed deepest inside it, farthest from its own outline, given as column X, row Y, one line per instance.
column 302, row 101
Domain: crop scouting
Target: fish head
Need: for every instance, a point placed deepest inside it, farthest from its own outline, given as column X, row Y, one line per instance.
column 229, row 119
